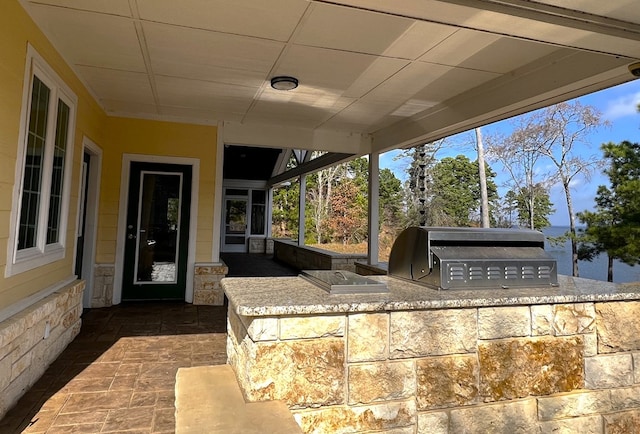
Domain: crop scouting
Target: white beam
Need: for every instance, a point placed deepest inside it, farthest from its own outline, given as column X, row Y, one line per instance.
column 374, row 208
column 276, row 136
column 302, row 200
column 217, row 196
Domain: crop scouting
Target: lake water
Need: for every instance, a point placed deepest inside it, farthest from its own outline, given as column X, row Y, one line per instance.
column 596, row 269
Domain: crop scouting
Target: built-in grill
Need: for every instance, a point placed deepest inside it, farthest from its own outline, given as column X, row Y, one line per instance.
column 467, row 258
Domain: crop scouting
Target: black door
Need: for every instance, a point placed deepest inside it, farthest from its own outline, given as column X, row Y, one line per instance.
column 157, row 236
column 83, row 214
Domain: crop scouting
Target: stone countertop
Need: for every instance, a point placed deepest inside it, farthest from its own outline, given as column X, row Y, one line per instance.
column 283, row 296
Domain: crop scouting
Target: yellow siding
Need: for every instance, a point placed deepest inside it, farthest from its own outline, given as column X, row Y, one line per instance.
column 136, row 136
column 17, row 30
column 115, row 136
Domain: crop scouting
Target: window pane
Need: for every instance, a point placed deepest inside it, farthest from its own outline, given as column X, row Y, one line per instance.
column 57, row 174
column 34, row 154
column 257, row 211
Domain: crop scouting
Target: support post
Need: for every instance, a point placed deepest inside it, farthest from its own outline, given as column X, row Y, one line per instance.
column 374, row 208
column 269, row 212
column 217, row 196
column 301, row 209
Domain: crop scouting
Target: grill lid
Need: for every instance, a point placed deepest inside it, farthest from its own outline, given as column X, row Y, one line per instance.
column 466, row 258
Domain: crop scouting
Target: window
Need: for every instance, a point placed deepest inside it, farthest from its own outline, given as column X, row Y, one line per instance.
column 41, row 195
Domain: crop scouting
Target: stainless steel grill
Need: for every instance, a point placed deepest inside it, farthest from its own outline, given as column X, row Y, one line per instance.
column 467, row 258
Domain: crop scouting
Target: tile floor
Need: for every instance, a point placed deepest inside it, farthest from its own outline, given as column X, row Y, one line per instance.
column 118, row 375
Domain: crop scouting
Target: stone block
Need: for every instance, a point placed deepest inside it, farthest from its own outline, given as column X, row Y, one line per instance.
column 618, row 326
column 625, row 422
column 368, row 337
column 212, row 268
column 433, row 333
column 433, row 423
column 208, row 298
column 382, row 381
column 513, row 417
column 260, row 328
column 590, row 344
column 21, row 365
column 311, row 327
column 10, row 329
column 504, row 322
column 572, row 319
column 304, row 373
column 541, row 320
column 608, row 371
column 576, row 404
column 516, row 368
column 343, row 419
column 446, row 381
column 582, row 425
column 625, row 398
column 5, row 373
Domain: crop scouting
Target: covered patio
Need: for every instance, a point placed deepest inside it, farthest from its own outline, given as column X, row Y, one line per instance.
column 141, row 141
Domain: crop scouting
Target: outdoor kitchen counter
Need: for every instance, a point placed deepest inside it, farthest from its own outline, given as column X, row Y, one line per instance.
column 418, row 360
column 282, row 296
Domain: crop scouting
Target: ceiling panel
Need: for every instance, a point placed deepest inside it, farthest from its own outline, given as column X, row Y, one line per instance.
column 362, row 115
column 181, row 92
column 353, row 30
column 113, row 7
column 273, row 19
column 130, row 109
column 309, row 109
column 194, row 52
column 332, row 70
column 485, row 52
column 118, row 85
column 87, row 38
column 188, row 114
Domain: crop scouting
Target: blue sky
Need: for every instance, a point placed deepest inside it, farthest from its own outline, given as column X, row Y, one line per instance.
column 618, row 105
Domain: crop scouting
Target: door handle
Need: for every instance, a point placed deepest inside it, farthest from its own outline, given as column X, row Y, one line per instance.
column 131, row 236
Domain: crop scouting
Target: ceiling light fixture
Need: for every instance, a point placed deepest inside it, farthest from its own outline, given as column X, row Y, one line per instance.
column 283, row 82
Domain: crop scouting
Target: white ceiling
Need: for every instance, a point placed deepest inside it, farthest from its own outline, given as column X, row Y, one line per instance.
column 374, row 74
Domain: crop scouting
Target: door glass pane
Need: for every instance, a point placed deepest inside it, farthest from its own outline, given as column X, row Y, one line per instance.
column 257, row 212
column 158, row 227
column 235, row 221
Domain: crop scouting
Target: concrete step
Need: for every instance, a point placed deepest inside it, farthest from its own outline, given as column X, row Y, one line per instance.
column 209, row 400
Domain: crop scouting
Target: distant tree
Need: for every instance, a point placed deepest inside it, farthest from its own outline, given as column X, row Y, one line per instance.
column 558, row 135
column 614, row 227
column 533, row 206
column 348, row 220
column 285, row 211
column 456, row 187
column 390, row 200
column 521, row 155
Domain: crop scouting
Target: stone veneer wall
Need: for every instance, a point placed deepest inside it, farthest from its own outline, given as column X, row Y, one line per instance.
column 311, row 258
column 25, row 352
column 206, row 283
column 525, row 369
column 102, row 295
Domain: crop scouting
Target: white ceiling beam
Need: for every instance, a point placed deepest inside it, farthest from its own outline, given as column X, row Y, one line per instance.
column 277, row 136
column 564, row 17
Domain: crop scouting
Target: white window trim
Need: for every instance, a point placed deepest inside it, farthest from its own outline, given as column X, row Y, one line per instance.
column 41, row 254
